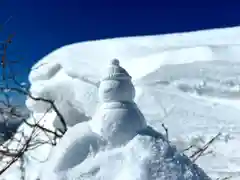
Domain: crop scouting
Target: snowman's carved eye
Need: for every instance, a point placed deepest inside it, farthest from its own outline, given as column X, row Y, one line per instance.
column 108, row 90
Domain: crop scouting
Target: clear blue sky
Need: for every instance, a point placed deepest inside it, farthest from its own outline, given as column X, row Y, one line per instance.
column 41, row 28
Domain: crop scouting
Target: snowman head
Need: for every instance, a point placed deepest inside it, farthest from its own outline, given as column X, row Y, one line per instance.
column 116, row 84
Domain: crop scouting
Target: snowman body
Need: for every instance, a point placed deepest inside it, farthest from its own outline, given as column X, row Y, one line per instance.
column 118, row 118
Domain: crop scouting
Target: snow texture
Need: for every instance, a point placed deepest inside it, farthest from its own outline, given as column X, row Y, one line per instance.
column 118, row 121
column 194, row 75
column 142, row 158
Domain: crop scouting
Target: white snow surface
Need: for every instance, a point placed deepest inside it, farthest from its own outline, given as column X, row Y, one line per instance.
column 142, row 158
column 193, row 75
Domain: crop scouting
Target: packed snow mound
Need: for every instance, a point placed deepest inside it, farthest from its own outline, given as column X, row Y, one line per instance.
column 146, row 157
column 73, row 148
column 66, row 97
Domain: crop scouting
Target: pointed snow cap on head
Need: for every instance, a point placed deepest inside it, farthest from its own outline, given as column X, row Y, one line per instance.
column 115, row 71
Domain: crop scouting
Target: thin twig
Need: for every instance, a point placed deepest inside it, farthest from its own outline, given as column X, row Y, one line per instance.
column 200, row 151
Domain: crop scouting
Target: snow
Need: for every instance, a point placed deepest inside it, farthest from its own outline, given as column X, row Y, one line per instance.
column 168, row 71
column 77, row 140
column 143, row 158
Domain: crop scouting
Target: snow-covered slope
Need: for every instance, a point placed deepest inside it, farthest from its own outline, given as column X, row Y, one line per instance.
column 169, row 71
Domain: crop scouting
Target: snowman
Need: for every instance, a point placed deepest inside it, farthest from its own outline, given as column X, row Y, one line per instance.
column 118, row 119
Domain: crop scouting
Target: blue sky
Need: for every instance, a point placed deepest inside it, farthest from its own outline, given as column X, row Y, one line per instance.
column 42, row 27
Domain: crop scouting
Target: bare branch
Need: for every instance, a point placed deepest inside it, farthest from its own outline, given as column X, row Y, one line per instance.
column 166, row 131
column 16, row 147
column 200, row 151
column 22, row 91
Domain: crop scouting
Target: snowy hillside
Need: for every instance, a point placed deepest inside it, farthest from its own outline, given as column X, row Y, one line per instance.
column 195, row 74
